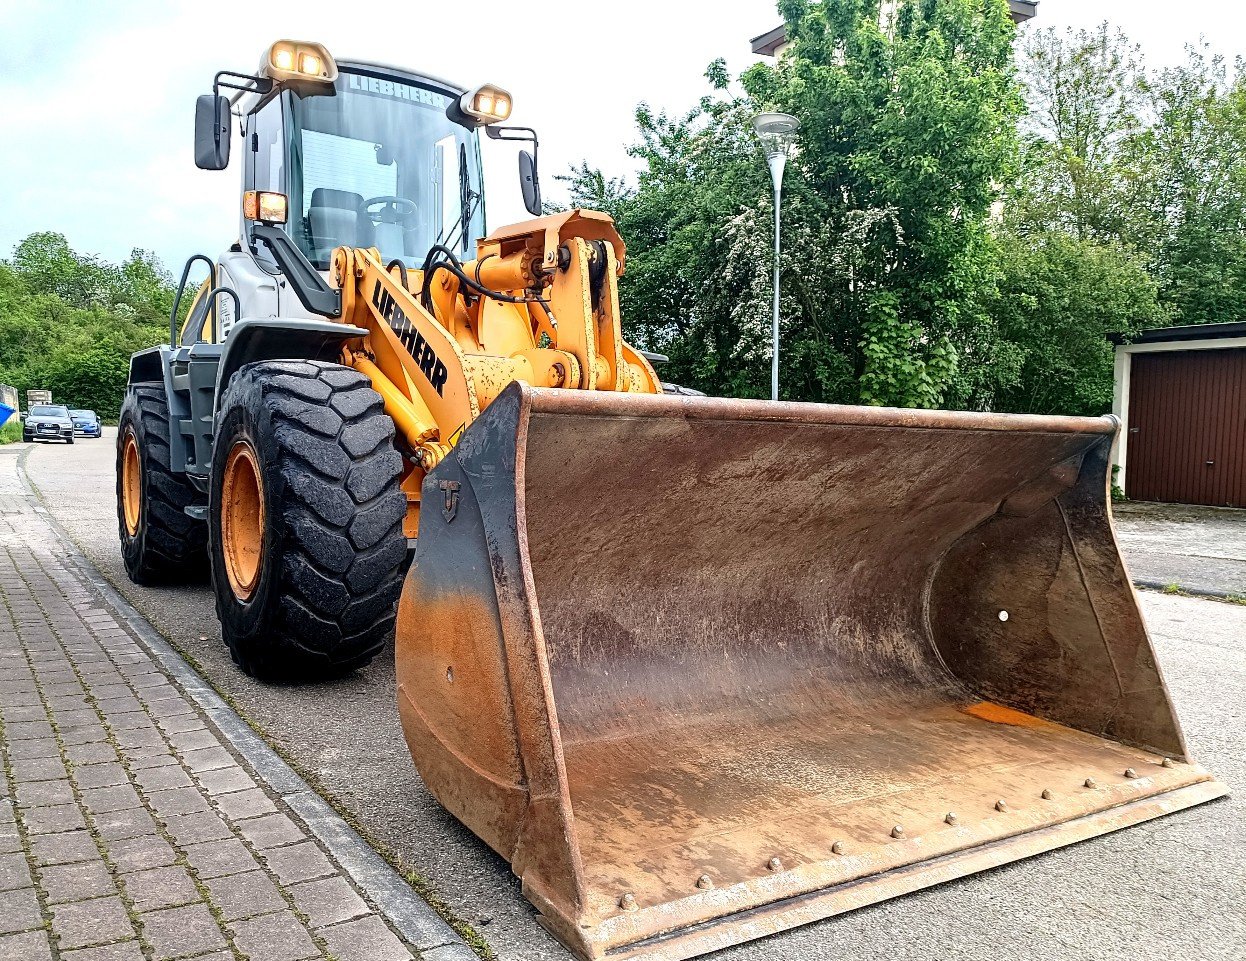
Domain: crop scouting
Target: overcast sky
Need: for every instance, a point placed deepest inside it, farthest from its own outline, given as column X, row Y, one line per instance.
column 97, row 98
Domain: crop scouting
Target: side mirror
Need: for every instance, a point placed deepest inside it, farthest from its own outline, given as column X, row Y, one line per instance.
column 211, row 132
column 529, row 184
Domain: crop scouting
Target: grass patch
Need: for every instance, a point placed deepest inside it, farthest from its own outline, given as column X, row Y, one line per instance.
column 1173, row 589
column 11, row 432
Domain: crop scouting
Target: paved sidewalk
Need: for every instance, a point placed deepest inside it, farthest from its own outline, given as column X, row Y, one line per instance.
column 129, row 827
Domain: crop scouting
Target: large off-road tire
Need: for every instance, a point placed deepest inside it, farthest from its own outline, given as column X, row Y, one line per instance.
column 160, row 542
column 305, row 520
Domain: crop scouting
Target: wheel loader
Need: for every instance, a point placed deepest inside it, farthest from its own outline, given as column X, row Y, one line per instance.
column 700, row 669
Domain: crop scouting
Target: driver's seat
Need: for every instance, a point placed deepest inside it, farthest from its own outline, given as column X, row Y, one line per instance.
column 336, row 218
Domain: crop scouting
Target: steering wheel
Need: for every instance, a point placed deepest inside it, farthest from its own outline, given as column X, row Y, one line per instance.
column 390, row 209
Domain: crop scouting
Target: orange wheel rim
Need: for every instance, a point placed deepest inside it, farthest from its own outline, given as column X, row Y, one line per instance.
column 131, row 484
column 242, row 520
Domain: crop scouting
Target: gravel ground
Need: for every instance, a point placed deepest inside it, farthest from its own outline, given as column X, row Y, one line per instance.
column 1168, row 890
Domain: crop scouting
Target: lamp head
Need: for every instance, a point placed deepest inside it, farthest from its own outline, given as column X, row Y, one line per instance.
column 776, row 131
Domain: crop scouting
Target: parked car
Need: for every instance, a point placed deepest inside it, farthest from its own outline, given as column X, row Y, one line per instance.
column 48, row 422
column 86, row 423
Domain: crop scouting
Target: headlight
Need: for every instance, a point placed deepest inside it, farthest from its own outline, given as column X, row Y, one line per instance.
column 294, row 61
column 488, row 104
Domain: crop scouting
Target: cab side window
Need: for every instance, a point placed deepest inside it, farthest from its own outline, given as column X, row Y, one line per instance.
column 265, row 156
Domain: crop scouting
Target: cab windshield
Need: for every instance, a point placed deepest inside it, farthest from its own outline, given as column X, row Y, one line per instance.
column 379, row 164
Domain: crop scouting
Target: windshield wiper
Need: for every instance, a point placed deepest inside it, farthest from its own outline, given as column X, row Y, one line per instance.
column 469, row 200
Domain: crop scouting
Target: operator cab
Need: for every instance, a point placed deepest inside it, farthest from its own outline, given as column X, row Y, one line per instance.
column 357, row 154
column 373, row 161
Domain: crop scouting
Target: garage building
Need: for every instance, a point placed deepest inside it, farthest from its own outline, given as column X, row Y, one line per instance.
column 1180, row 393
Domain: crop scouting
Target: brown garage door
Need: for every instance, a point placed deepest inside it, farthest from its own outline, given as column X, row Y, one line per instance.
column 1187, row 427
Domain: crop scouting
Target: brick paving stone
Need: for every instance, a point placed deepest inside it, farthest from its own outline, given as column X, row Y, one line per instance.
column 100, row 775
column 162, row 778
column 142, row 758
column 225, row 780
column 118, row 951
column 68, row 720
column 178, row 723
column 365, row 939
column 244, row 895
column 23, row 712
column 298, row 862
column 160, row 888
column 98, row 921
column 182, row 800
column 86, row 734
column 25, row 730
column 271, row 831
column 245, row 804
column 328, row 901
column 76, row 882
column 53, row 819
column 118, row 825
column 148, row 736
column 89, row 755
column 197, row 827
column 207, row 758
column 63, row 848
column 186, row 741
column 39, row 793
column 37, row 748
column 32, row 946
column 180, row 931
column 141, row 853
column 152, row 678
column 214, row 859
column 47, row 768
column 19, row 910
column 104, row 800
column 274, row 937
column 130, row 721
column 14, row 872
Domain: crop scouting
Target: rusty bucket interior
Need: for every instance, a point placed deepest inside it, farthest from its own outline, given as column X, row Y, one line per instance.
column 703, row 670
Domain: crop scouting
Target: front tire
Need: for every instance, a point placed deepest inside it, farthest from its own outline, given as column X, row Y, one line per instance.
column 305, row 520
column 160, row 542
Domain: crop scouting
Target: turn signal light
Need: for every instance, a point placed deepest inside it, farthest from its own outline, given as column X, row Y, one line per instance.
column 265, row 206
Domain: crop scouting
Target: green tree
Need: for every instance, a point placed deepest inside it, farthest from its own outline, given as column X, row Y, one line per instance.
column 69, row 323
column 1082, row 171
column 1197, row 147
column 1057, row 300
column 908, row 129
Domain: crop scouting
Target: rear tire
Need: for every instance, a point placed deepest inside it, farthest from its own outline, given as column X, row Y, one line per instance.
column 160, row 543
column 305, row 520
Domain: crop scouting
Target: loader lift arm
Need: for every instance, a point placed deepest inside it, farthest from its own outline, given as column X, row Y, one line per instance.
column 539, row 304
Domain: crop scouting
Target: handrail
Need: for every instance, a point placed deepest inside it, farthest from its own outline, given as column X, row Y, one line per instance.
column 210, row 300
column 181, row 287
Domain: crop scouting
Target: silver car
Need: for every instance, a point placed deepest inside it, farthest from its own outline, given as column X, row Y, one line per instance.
column 48, row 422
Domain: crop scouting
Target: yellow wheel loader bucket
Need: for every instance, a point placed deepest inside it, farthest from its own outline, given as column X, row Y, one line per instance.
column 704, row 669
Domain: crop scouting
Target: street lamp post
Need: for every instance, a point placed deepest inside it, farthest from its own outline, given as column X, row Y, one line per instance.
column 777, row 133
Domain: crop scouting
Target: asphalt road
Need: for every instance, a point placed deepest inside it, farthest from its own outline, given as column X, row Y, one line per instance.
column 1196, row 549
column 1168, row 890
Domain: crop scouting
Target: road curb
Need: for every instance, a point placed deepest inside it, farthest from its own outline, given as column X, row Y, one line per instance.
column 1206, row 593
column 394, row 898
